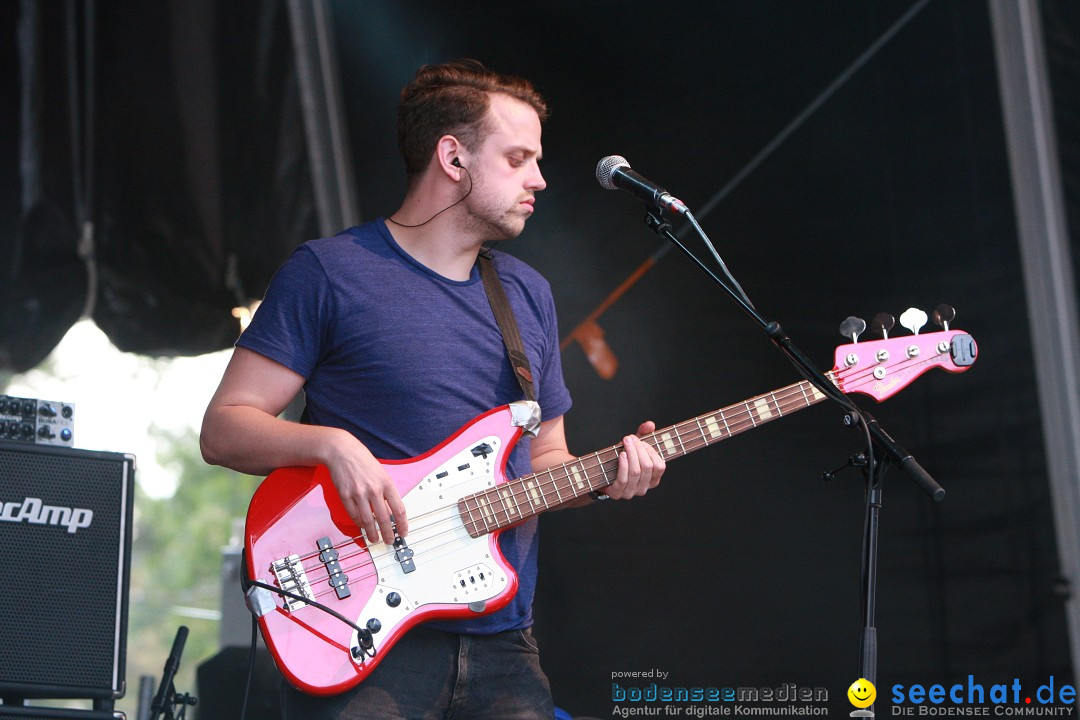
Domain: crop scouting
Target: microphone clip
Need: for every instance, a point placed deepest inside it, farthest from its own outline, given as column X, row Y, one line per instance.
column 657, row 223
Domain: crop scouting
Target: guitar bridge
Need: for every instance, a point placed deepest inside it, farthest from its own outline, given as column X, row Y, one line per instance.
column 292, row 578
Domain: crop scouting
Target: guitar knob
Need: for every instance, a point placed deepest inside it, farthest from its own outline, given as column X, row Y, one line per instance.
column 943, row 315
column 882, row 324
column 852, row 327
column 393, row 599
column 913, row 319
column 374, row 625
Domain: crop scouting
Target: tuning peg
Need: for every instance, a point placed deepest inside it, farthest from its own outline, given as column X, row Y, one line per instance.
column 852, row 327
column 913, row 319
column 882, row 324
column 943, row 315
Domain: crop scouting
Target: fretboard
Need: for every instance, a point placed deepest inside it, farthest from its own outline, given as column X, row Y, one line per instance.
column 529, row 495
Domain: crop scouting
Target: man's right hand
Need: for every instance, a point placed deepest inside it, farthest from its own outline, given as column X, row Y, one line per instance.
column 367, row 491
column 241, row 430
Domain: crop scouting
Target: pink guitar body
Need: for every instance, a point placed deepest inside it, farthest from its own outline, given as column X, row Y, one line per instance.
column 453, row 575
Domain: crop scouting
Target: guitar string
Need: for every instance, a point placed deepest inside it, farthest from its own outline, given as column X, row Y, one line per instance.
column 588, row 463
column 688, row 435
column 841, row 376
column 741, row 420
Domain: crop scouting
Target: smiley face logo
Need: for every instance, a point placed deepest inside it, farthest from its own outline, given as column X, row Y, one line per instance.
column 862, row 693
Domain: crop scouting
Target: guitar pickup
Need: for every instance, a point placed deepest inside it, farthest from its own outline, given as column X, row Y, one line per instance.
column 404, row 555
column 328, row 555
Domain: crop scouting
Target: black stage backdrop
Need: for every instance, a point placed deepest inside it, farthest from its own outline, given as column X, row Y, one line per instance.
column 743, row 569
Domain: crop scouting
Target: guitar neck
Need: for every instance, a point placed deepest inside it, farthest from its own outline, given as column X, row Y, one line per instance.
column 516, row 500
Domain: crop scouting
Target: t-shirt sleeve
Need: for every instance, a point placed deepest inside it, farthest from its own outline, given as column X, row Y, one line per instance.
column 554, row 396
column 291, row 323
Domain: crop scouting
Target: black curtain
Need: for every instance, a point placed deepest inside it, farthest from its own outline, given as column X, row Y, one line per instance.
column 743, row 569
column 177, row 131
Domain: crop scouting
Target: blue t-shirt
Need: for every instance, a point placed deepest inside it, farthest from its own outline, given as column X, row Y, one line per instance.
column 402, row 357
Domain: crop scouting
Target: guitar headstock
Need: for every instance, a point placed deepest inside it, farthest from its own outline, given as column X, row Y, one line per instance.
column 882, row 368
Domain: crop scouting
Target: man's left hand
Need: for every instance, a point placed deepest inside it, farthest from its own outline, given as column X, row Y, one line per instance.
column 640, row 466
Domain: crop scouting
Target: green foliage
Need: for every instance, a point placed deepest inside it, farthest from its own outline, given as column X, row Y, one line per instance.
column 176, row 562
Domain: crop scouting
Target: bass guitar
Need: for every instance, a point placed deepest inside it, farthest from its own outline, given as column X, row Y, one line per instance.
column 330, row 605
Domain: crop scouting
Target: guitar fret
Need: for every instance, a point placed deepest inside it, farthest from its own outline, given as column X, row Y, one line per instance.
column 714, row 427
column 698, row 436
column 764, row 412
column 579, row 479
column 509, row 502
column 485, row 507
column 667, row 445
column 556, row 485
column 531, row 495
column 478, row 514
column 700, row 430
column 807, row 401
column 603, row 471
column 750, row 413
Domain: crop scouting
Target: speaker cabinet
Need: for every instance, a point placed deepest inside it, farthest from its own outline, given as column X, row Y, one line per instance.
column 65, row 530
column 44, row 713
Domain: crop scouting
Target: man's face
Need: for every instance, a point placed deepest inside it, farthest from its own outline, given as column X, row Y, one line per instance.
column 505, row 171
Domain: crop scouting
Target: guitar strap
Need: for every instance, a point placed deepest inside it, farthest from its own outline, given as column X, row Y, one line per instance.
column 504, row 316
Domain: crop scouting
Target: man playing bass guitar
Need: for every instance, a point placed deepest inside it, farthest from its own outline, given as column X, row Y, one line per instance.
column 388, row 330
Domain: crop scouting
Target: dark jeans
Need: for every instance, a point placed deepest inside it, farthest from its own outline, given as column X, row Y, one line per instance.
column 432, row 675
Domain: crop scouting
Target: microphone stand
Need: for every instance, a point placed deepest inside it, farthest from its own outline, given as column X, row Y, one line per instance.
column 876, row 437
column 167, row 697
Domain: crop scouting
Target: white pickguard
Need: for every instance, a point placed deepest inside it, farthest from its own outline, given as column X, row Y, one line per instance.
column 450, row 566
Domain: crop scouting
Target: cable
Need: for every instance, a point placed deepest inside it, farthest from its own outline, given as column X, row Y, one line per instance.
column 362, row 632
column 251, row 667
column 467, row 194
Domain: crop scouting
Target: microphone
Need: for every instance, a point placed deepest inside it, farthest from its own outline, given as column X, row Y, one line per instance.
column 614, row 172
column 162, row 702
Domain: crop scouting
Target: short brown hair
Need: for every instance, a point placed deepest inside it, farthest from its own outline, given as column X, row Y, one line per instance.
column 453, row 99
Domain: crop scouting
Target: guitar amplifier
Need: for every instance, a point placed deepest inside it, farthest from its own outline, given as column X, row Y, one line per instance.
column 45, row 422
column 65, row 530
